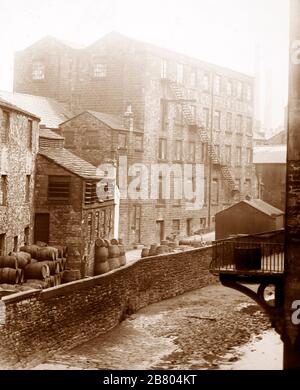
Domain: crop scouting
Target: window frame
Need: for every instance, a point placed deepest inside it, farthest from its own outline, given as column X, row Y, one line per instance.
column 38, row 72
column 59, row 179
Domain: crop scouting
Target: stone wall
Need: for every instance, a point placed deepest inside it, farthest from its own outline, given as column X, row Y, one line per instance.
column 34, row 325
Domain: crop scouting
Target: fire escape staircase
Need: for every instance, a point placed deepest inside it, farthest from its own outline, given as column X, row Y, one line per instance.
column 179, row 93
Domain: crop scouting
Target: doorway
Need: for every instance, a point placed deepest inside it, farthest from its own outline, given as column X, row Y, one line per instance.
column 41, row 227
column 160, row 231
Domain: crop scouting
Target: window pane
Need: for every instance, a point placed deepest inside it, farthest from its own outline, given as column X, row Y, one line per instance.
column 38, row 70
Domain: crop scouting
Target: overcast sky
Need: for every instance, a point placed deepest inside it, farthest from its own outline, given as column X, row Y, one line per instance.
column 231, row 33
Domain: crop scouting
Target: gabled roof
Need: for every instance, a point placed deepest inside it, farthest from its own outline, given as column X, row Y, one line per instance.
column 259, row 205
column 51, row 112
column 49, row 134
column 71, row 162
column 269, row 154
column 113, row 121
column 13, row 107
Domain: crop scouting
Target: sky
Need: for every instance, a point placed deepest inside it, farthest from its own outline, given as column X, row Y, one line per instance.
column 250, row 36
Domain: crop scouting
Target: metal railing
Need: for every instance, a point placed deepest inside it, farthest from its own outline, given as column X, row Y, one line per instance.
column 245, row 258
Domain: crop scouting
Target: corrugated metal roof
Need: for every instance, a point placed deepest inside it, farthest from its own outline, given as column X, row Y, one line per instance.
column 49, row 134
column 51, row 112
column 8, row 105
column 112, row 121
column 269, row 154
column 70, row 162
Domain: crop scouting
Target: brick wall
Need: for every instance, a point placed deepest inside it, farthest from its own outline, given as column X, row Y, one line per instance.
column 34, row 324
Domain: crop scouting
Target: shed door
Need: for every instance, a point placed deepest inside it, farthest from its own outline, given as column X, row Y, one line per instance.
column 41, row 228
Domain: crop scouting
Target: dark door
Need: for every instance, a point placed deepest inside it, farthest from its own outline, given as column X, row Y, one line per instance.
column 160, row 231
column 41, row 228
column 189, row 227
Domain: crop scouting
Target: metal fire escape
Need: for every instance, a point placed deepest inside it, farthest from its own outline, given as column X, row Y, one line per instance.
column 179, row 94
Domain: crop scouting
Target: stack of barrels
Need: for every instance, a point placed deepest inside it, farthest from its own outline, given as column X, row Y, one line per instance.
column 109, row 255
column 34, row 266
column 156, row 249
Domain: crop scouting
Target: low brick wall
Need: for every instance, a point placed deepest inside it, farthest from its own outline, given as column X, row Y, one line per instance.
column 39, row 323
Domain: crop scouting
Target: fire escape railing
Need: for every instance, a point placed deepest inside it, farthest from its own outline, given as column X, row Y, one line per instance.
column 179, row 93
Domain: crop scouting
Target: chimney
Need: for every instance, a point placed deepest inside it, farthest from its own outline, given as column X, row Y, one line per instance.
column 128, row 118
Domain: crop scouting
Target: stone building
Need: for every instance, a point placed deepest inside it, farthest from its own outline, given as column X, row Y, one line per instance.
column 270, row 166
column 18, row 149
column 185, row 111
column 68, row 209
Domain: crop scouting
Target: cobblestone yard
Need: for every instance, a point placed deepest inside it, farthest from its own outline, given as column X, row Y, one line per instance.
column 198, row 330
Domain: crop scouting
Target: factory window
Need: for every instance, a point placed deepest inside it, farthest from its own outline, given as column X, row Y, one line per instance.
column 229, row 88
column 92, row 138
column 203, row 152
column 5, row 123
column 178, row 150
column 217, row 120
column 99, row 70
column 202, row 223
column 205, row 191
column 194, row 112
column 248, row 186
column 90, row 193
column 238, row 184
column 192, row 151
column 206, row 117
column 161, row 198
column 249, row 126
column 238, row 156
column 228, row 122
column 228, row 154
column 3, row 190
column 239, row 124
column 2, row 244
column 178, row 115
column 38, row 70
column 27, row 189
column 16, row 243
column 215, row 191
column 29, row 133
column 138, row 142
column 176, row 226
column 217, row 150
column 122, row 141
column 162, row 149
column 179, row 73
column 205, row 82
column 59, row 188
column 249, row 156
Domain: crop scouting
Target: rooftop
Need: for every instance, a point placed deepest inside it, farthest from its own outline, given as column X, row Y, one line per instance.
column 71, row 162
column 260, row 205
column 269, row 154
column 4, row 103
column 49, row 134
column 47, row 109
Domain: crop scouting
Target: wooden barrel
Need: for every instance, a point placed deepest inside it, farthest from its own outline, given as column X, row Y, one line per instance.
column 122, row 257
column 54, row 266
column 36, row 271
column 71, row 275
column 101, row 268
column 23, row 258
column 184, row 241
column 114, row 241
column 101, row 254
column 41, row 243
column 9, row 275
column 21, row 276
column 113, row 251
column 113, row 263
column 99, row 243
column 172, row 245
column 145, row 252
column 164, row 242
column 106, row 243
column 8, row 262
column 47, row 253
column 152, row 251
column 162, row 249
column 36, row 283
column 7, row 286
column 32, row 249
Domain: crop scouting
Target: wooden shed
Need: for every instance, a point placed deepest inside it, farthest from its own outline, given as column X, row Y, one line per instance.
column 248, row 217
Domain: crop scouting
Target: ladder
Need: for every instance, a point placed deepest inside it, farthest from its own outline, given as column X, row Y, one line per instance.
column 179, row 94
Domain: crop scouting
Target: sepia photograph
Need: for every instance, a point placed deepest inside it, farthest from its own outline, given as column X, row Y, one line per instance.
column 149, row 188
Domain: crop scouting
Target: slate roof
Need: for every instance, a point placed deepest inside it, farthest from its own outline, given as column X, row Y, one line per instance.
column 49, row 134
column 10, row 106
column 70, row 162
column 264, row 207
column 269, row 154
column 112, row 121
column 51, row 112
